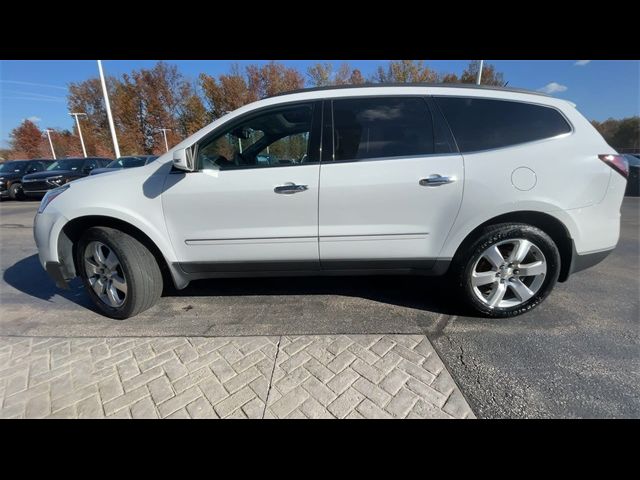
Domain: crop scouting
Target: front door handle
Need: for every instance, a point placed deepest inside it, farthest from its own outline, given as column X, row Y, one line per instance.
column 289, row 188
column 436, row 180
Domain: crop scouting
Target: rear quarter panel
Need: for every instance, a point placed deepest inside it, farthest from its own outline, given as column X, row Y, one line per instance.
column 567, row 175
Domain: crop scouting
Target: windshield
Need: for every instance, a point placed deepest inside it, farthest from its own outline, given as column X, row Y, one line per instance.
column 13, row 167
column 69, row 164
column 127, row 162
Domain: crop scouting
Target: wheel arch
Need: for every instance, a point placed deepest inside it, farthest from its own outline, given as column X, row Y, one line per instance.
column 74, row 228
column 549, row 224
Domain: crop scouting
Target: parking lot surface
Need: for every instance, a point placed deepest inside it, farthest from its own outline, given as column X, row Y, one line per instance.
column 578, row 355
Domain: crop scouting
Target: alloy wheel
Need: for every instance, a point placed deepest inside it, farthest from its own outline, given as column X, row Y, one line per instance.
column 105, row 274
column 508, row 273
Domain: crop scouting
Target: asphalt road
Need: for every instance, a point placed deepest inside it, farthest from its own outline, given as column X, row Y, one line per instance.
column 577, row 355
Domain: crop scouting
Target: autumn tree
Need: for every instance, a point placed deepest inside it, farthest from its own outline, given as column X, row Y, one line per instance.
column 87, row 97
column 226, row 93
column 490, row 76
column 405, row 71
column 66, row 143
column 192, row 114
column 26, row 141
column 237, row 88
column 272, row 78
column 623, row 134
column 356, row 77
column 324, row 74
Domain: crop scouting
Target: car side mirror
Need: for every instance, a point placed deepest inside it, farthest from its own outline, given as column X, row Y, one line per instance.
column 183, row 159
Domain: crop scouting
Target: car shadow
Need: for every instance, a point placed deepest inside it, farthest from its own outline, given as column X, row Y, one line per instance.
column 28, row 276
column 421, row 293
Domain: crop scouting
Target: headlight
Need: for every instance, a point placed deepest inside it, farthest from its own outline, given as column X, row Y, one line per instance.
column 59, row 180
column 49, row 196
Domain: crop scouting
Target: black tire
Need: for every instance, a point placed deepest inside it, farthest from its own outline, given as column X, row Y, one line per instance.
column 465, row 260
column 15, row 191
column 139, row 266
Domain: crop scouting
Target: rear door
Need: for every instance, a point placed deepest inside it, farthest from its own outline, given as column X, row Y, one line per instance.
column 391, row 183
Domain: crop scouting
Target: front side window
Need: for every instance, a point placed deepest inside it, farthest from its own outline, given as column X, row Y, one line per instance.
column 127, row 162
column 483, row 124
column 13, row 167
column 90, row 164
column 274, row 138
column 367, row 128
column 35, row 167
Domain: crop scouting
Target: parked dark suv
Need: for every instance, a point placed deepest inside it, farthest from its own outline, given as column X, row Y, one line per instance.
column 59, row 173
column 11, row 174
column 130, row 161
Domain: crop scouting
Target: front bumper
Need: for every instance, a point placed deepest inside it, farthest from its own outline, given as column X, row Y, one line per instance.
column 46, row 233
column 57, row 272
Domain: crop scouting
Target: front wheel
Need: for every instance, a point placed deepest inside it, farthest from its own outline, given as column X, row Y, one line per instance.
column 508, row 270
column 120, row 274
column 16, row 192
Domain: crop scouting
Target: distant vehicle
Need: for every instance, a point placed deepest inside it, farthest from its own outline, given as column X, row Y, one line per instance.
column 60, row 173
column 633, row 182
column 11, row 174
column 131, row 161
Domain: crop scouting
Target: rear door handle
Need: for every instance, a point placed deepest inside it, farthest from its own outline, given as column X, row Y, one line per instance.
column 436, row 180
column 290, row 188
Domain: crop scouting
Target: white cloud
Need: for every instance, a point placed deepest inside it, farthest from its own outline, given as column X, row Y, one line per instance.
column 553, row 87
column 34, row 119
column 581, row 63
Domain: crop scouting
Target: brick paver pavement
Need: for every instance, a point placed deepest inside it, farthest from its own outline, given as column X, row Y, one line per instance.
column 325, row 376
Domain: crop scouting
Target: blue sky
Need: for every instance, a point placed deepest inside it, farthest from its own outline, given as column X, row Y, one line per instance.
column 36, row 89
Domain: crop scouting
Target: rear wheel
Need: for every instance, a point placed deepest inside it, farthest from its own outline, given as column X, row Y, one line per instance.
column 508, row 270
column 120, row 274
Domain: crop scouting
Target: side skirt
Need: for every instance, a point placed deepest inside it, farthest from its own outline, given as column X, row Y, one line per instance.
column 426, row 267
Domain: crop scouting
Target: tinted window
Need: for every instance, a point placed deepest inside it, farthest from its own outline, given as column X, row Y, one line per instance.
column 13, row 167
column 381, row 127
column 66, row 164
column 35, row 167
column 482, row 124
column 274, row 138
column 127, row 162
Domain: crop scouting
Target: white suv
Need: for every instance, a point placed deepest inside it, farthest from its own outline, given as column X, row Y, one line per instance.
column 505, row 191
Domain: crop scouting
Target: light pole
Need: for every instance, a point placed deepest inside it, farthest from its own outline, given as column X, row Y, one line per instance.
column 164, row 133
column 53, row 152
column 106, row 102
column 76, row 115
column 479, row 72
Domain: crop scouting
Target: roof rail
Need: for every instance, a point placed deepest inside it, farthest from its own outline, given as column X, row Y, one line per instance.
column 410, row 84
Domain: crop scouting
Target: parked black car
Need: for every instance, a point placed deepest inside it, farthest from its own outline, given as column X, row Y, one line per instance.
column 11, row 174
column 60, row 172
column 633, row 181
column 130, row 161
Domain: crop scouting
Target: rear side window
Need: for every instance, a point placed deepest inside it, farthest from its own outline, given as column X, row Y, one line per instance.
column 366, row 128
column 483, row 124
